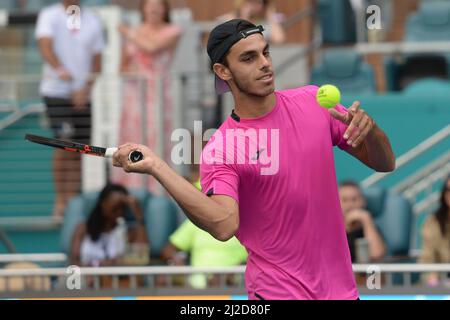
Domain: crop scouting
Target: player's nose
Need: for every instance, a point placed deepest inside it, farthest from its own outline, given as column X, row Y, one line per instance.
column 265, row 62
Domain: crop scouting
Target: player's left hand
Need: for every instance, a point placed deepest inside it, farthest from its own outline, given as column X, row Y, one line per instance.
column 360, row 124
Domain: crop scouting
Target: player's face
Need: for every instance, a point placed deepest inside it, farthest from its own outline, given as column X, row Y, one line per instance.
column 250, row 66
column 351, row 199
column 114, row 206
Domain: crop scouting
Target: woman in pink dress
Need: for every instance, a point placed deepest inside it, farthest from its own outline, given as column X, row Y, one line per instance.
column 146, row 57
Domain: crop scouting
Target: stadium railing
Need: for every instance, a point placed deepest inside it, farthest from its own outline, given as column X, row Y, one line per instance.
column 143, row 281
column 33, row 257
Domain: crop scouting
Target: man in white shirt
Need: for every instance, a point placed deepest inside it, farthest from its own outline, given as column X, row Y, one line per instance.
column 71, row 42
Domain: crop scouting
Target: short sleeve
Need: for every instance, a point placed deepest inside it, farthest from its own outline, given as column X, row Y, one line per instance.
column 219, row 179
column 182, row 238
column 44, row 25
column 338, row 129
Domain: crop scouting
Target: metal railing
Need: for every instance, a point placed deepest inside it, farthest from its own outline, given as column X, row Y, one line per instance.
column 403, row 47
column 34, row 257
column 440, row 163
column 19, row 113
column 422, row 182
column 147, row 278
column 412, row 154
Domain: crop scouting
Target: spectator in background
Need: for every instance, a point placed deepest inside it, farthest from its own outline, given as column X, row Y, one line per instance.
column 436, row 236
column 359, row 223
column 71, row 48
column 147, row 52
column 104, row 239
column 259, row 12
column 20, row 284
column 204, row 251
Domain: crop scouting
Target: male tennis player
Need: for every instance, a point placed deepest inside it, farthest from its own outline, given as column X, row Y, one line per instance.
column 289, row 217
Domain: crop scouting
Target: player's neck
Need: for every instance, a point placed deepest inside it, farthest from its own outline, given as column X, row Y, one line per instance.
column 253, row 107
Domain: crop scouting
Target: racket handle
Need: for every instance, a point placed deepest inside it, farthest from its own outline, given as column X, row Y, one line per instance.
column 134, row 156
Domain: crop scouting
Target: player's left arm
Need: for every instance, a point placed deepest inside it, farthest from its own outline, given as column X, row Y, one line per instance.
column 368, row 142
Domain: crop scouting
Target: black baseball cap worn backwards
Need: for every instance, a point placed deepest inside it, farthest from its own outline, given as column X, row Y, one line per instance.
column 223, row 37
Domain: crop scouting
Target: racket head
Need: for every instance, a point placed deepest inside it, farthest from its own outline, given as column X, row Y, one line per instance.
column 70, row 146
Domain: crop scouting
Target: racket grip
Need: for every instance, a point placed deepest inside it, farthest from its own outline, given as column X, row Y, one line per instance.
column 136, row 156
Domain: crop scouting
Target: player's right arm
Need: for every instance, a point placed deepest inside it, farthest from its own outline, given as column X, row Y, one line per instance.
column 218, row 214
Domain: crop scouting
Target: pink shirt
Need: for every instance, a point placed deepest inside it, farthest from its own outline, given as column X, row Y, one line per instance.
column 281, row 172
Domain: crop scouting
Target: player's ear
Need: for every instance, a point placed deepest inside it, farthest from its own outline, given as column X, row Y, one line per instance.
column 222, row 71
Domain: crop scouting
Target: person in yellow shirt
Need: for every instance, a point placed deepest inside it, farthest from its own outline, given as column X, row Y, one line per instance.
column 204, row 251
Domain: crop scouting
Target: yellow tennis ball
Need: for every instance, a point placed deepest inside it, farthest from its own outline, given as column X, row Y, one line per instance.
column 328, row 96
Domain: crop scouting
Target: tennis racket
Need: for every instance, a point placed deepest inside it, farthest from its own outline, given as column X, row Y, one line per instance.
column 71, row 146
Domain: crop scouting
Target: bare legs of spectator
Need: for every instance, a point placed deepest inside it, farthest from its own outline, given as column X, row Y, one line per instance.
column 67, row 177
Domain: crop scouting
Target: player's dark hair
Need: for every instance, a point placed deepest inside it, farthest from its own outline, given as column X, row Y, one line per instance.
column 96, row 221
column 442, row 213
column 224, row 60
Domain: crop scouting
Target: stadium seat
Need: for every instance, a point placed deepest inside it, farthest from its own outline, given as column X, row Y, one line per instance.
column 428, row 86
column 337, row 20
column 345, row 69
column 430, row 23
column 160, row 217
column 393, row 217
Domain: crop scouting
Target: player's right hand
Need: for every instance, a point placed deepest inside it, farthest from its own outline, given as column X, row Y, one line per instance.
column 147, row 166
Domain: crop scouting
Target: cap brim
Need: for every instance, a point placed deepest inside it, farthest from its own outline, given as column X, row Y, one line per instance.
column 221, row 86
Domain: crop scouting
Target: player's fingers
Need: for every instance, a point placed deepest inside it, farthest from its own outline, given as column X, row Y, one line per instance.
column 339, row 116
column 354, row 124
column 126, row 145
column 116, row 160
column 362, row 136
column 121, row 158
column 354, row 108
column 353, row 135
